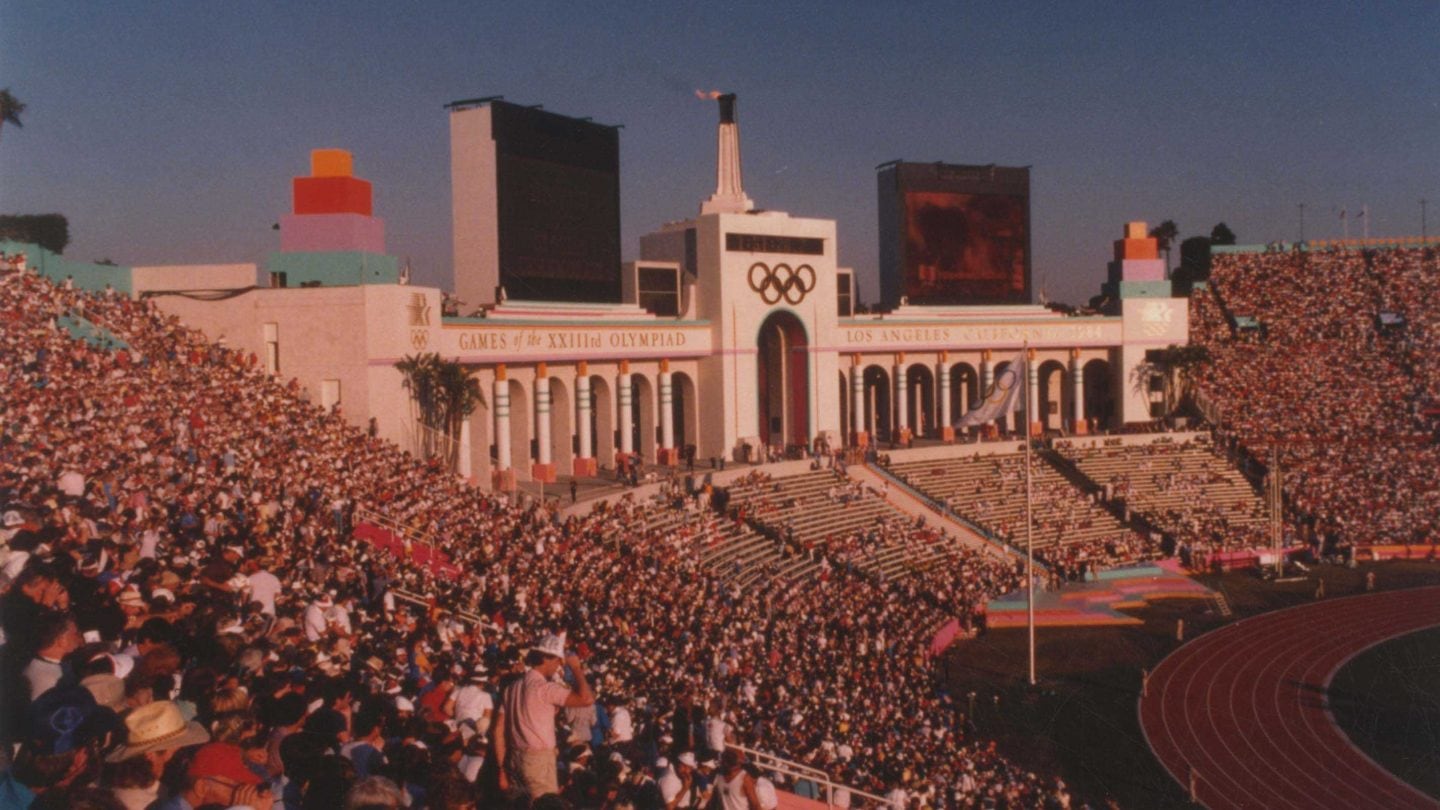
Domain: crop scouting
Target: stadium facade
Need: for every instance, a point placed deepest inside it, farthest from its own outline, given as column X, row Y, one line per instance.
column 735, row 330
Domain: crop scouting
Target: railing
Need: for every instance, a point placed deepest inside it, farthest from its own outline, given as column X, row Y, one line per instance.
column 464, row 615
column 371, row 516
column 944, row 509
column 796, row 771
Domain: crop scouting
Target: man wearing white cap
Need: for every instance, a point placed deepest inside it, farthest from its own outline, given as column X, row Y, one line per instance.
column 677, row 785
column 471, row 703
column 525, row 746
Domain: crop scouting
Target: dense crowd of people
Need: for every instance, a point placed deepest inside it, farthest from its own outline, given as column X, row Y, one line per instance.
column 1330, row 356
column 190, row 620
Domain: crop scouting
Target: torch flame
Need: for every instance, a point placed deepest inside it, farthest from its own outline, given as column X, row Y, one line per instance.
column 710, row 95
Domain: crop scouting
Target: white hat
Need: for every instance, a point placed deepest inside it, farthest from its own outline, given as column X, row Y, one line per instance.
column 688, row 758
column 13, row 519
column 403, row 704
column 551, row 645
column 662, row 763
column 122, row 665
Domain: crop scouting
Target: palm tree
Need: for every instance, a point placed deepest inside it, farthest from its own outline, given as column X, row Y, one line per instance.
column 10, row 109
column 1177, row 366
column 1165, row 233
column 460, row 393
column 442, row 395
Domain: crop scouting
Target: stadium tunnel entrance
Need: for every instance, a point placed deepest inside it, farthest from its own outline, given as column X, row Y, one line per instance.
column 783, row 380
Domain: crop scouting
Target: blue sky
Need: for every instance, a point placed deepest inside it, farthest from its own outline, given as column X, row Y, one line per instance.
column 168, row 131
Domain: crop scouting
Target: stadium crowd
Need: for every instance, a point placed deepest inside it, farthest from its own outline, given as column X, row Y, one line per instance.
column 190, row 620
column 1331, row 357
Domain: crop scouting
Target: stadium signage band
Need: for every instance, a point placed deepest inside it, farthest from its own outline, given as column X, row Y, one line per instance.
column 765, row 243
column 882, row 335
column 626, row 339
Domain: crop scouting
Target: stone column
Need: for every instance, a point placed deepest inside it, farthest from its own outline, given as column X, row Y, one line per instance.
column 504, row 478
column 1032, row 396
column 1077, row 382
column 902, row 398
column 544, row 467
column 943, row 420
column 859, row 437
column 987, row 379
column 668, row 453
column 585, row 460
column 625, row 407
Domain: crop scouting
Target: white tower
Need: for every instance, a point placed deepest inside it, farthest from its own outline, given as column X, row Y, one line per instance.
column 729, row 196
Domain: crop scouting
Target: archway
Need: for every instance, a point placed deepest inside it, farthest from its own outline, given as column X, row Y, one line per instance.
column 1099, row 398
column 562, row 420
column 522, row 419
column 876, row 419
column 783, row 380
column 1054, row 394
column 920, row 399
column 964, row 390
column 644, row 405
column 602, row 419
column 685, row 411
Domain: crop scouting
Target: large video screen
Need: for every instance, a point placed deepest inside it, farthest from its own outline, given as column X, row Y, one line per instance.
column 965, row 248
column 954, row 234
column 558, row 195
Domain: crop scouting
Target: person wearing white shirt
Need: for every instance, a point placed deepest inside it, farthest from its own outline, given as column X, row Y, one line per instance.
column 264, row 587
column 622, row 726
column 765, row 792
column 313, row 619
column 473, row 702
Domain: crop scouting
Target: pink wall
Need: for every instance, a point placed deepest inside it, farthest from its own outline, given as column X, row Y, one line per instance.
column 318, row 233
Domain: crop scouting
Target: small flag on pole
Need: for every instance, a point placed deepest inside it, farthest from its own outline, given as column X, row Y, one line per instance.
column 1005, row 391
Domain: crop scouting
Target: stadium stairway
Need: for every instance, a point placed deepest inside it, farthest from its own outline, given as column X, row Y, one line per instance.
column 901, row 498
column 1068, row 469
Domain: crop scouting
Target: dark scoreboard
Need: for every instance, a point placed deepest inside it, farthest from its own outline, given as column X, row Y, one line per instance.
column 954, row 234
column 558, row 199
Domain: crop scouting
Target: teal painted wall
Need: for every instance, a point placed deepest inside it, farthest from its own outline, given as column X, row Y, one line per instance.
column 340, row 269
column 85, row 275
column 1139, row 289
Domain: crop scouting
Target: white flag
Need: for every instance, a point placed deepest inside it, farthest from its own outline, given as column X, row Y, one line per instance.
column 1005, row 391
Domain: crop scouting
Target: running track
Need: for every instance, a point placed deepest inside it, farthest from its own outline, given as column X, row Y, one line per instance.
column 1245, row 706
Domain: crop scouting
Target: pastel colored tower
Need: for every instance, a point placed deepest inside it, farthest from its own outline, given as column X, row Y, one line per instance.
column 333, row 209
column 331, row 237
column 1137, row 270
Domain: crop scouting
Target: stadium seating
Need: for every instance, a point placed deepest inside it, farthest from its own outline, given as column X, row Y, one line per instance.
column 1340, row 372
column 155, row 479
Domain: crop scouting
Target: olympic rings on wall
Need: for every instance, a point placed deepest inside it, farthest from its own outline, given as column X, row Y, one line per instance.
column 781, row 282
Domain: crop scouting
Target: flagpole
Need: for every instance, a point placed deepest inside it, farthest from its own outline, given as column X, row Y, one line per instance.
column 1029, row 529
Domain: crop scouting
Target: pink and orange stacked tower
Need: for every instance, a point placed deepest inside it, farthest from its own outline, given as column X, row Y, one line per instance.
column 332, row 209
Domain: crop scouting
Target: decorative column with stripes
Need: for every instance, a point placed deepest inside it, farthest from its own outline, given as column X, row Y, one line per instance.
column 625, row 406
column 668, row 453
column 902, row 398
column 504, row 478
column 987, row 379
column 1077, row 401
column 544, row 467
column 859, row 437
column 1032, row 392
column 945, row 423
column 584, row 422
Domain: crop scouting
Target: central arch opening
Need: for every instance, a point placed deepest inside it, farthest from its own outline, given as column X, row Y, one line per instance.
column 783, row 382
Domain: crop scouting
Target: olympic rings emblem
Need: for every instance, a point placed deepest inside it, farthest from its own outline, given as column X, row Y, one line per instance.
column 781, row 282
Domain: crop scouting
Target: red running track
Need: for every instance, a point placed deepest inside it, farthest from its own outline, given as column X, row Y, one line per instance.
column 1245, row 706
